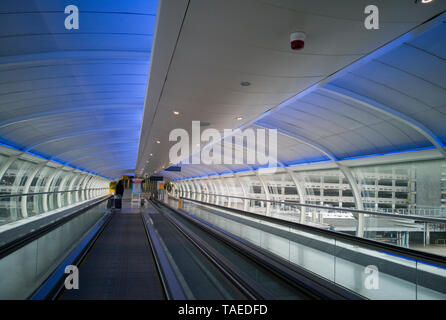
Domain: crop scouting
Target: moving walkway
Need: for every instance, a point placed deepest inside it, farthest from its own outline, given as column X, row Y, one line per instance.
column 207, row 251
column 155, row 252
column 369, row 268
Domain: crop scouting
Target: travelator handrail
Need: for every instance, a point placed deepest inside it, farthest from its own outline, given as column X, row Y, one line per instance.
column 341, row 209
column 204, row 248
column 171, row 286
column 46, row 192
column 13, row 245
column 352, row 239
column 309, row 283
column 54, row 285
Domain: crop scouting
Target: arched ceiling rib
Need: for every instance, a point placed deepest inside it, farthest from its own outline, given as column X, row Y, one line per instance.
column 388, row 102
column 301, row 139
column 378, row 107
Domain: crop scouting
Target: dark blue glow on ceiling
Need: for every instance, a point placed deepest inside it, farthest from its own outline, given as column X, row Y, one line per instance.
column 62, row 89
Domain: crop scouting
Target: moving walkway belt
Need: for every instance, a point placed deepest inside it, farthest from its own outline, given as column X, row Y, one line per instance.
column 249, row 289
column 119, row 265
column 120, row 258
column 126, row 261
column 197, row 275
column 123, row 257
column 261, row 275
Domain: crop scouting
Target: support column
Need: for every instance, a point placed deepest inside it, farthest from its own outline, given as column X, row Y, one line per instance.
column 193, row 190
column 302, row 194
column 205, row 190
column 84, row 194
column 357, row 196
column 79, row 186
column 37, row 203
column 245, row 194
column 62, row 188
column 26, row 188
column 182, row 192
column 227, row 191
column 92, row 186
column 7, row 164
column 267, row 194
column 210, row 191
column 197, row 185
column 215, row 191
column 87, row 188
column 15, row 204
column 188, row 192
column 71, row 187
column 47, row 187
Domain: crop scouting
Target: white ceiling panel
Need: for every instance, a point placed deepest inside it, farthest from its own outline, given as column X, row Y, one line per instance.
column 219, row 44
column 62, row 90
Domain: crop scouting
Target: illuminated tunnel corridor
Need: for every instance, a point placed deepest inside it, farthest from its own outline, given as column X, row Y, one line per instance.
column 222, row 150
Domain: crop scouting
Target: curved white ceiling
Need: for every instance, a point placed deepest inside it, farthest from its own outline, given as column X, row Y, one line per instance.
column 350, row 92
column 394, row 101
column 76, row 95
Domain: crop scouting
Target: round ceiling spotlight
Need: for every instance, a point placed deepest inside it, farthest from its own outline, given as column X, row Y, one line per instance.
column 424, row 1
column 157, row 141
column 239, row 118
column 245, row 83
column 177, row 113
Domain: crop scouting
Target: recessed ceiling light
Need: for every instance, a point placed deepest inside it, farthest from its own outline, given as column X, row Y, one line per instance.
column 151, row 154
column 157, row 141
column 176, row 113
column 198, row 145
column 239, row 118
column 423, row 1
column 245, row 83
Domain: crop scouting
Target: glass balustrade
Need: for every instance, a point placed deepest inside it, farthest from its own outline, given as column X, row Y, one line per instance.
column 372, row 271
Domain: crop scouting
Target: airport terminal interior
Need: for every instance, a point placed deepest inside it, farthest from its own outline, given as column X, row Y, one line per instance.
column 223, row 150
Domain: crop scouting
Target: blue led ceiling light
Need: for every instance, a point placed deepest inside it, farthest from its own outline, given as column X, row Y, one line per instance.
column 58, row 82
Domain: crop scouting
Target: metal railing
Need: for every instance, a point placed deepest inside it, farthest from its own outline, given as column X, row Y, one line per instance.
column 337, row 209
column 414, row 211
column 336, row 256
column 17, row 206
column 2, row 195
